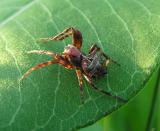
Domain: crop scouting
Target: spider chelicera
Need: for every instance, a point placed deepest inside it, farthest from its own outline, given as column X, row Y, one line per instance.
column 88, row 66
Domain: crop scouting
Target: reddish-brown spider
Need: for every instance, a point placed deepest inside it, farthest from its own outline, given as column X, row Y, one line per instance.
column 89, row 66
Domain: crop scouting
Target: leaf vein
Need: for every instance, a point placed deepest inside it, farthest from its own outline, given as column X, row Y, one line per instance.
column 45, row 8
column 120, row 19
column 143, row 6
column 16, row 13
column 29, row 34
column 19, row 86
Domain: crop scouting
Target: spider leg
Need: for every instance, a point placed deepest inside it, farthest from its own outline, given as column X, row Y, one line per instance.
column 79, row 76
column 96, row 48
column 60, row 58
column 37, row 67
column 76, row 37
column 66, row 64
column 93, row 48
column 102, row 91
column 108, row 59
column 54, row 55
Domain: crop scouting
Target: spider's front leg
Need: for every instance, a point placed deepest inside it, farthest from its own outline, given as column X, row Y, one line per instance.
column 76, row 37
column 102, row 91
column 58, row 60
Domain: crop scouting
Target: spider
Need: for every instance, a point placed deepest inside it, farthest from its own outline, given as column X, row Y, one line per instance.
column 88, row 66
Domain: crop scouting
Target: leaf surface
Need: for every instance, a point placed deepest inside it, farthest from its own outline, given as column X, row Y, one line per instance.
column 49, row 98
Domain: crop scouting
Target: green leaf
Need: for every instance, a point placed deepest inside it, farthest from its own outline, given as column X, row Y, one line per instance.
column 49, row 98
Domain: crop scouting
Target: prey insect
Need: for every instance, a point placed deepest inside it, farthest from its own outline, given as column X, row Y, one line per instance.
column 94, row 64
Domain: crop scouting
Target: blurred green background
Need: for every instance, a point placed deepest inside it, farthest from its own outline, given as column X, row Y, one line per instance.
column 134, row 115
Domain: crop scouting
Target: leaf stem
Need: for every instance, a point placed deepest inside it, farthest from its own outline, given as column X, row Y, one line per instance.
column 153, row 103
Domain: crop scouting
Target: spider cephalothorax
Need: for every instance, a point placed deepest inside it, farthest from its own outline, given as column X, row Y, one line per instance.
column 92, row 65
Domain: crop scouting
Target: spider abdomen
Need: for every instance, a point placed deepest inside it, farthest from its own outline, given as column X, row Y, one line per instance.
column 94, row 67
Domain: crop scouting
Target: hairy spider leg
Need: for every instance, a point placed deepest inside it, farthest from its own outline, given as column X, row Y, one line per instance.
column 58, row 60
column 93, row 48
column 96, row 48
column 76, row 37
column 37, row 67
column 54, row 55
column 80, row 80
column 61, row 62
column 102, row 91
